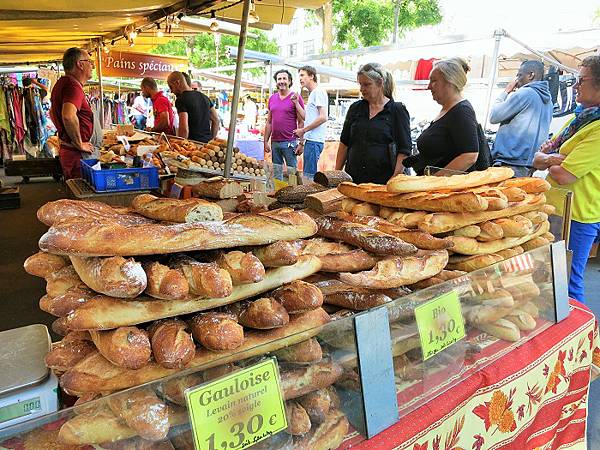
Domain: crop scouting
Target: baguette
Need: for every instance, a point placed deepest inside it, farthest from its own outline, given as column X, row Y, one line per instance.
column 365, row 209
column 297, row 419
column 490, row 231
column 298, row 297
column 65, row 304
column 515, row 226
column 278, row 254
column 60, row 327
column 165, row 283
column 126, row 347
column 243, row 267
column 143, row 412
column 328, row 435
column 318, row 404
column 473, row 263
column 172, row 346
column 531, row 309
column 217, row 331
column 471, row 231
column 337, row 256
column 114, row 276
column 514, row 194
column 395, row 272
column 349, row 203
column 337, row 293
column 531, row 185
column 522, row 319
column 61, row 281
column 510, row 252
column 65, row 354
column 303, row 380
column 104, row 312
column 44, row 264
column 549, row 209
column 408, row 220
column 175, row 210
column 308, row 351
column 94, row 238
column 535, row 242
column 367, row 238
column 204, row 279
column 405, row 183
column 502, row 329
column 264, row 314
column 97, row 374
column 495, row 203
column 443, row 222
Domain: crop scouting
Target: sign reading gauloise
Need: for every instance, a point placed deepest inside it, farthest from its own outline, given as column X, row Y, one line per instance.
column 140, row 65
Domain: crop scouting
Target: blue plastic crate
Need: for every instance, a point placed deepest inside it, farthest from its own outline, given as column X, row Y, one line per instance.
column 119, row 180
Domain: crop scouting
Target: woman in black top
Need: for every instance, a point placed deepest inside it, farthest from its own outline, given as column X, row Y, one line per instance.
column 376, row 134
column 452, row 140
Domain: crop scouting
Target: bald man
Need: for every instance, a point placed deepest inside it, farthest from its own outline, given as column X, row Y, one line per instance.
column 198, row 119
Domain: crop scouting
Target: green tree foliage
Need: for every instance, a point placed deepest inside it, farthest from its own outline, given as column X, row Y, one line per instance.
column 371, row 22
column 202, row 48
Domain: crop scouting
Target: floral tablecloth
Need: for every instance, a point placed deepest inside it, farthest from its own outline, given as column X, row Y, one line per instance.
column 534, row 397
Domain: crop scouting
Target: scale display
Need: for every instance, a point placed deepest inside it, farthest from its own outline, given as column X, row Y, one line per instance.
column 20, row 409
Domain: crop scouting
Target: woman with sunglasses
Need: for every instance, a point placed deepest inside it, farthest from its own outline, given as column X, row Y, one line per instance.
column 376, row 134
column 454, row 140
column 572, row 159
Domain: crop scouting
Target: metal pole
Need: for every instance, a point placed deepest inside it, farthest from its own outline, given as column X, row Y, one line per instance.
column 270, row 78
column 493, row 73
column 541, row 55
column 99, row 72
column 239, row 66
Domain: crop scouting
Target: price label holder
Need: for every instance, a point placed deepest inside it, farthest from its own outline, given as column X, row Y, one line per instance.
column 238, row 410
column 560, row 277
column 440, row 323
column 376, row 369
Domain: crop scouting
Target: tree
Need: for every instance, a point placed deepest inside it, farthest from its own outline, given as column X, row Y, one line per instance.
column 365, row 23
column 201, row 48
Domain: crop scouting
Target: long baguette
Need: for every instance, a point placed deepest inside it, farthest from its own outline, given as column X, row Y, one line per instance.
column 44, row 264
column 105, row 313
column 56, row 211
column 114, row 276
column 96, row 374
column 176, row 210
column 443, row 222
column 404, row 183
column 98, row 238
column 428, row 201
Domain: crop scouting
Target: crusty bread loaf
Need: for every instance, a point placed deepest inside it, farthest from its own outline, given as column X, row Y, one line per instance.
column 471, row 231
column 303, row 380
column 331, row 178
column 410, row 220
column 308, row 351
column 242, row 267
column 264, row 314
column 510, row 252
column 44, row 264
column 175, row 210
column 114, row 276
column 365, row 209
column 325, row 202
column 61, row 281
column 298, row 297
column 318, row 403
column 165, row 283
column 328, row 435
column 535, row 242
column 278, row 254
column 217, row 331
column 65, row 354
column 60, row 327
column 531, row 185
column 428, row 201
column 515, row 226
column 218, row 188
column 394, row 272
column 143, row 412
column 549, row 209
column 65, row 304
column 406, row 183
column 103, row 312
column 97, row 374
column 172, row 346
column 490, row 231
column 337, row 256
column 513, row 193
column 384, row 211
column 522, row 319
column 297, row 419
column 338, row 293
column 297, row 194
column 94, row 238
column 362, row 236
column 443, row 222
column 204, row 279
column 496, row 203
column 126, row 347
column 536, row 217
column 503, row 329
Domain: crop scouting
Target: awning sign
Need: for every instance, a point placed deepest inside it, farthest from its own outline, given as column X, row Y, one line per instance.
column 140, row 65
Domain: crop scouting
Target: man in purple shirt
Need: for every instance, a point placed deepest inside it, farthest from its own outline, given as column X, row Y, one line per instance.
column 286, row 113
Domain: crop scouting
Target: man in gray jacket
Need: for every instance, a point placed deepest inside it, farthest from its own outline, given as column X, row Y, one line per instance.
column 524, row 117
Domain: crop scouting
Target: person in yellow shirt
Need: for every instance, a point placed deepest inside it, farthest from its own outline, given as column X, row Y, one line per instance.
column 573, row 162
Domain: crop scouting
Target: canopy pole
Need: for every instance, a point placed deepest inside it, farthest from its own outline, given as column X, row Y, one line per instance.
column 239, row 67
column 99, row 72
column 552, row 61
column 493, row 73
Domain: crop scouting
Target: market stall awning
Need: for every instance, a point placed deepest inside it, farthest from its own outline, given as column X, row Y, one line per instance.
column 40, row 30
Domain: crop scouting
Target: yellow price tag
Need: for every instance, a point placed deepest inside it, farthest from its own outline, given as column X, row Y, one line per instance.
column 440, row 323
column 279, row 184
column 238, row 410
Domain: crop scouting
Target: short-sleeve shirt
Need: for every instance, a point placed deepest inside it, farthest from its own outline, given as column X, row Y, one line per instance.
column 583, row 161
column 370, row 157
column 318, row 97
column 160, row 103
column 283, row 117
column 68, row 90
column 140, row 106
column 197, row 106
column 451, row 135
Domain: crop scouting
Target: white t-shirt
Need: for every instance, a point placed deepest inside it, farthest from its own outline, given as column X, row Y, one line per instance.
column 139, row 107
column 318, row 97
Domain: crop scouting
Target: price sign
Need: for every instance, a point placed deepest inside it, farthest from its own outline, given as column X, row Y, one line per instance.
column 440, row 322
column 237, row 411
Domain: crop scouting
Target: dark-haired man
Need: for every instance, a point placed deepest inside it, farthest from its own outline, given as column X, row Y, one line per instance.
column 71, row 112
column 164, row 116
column 286, row 113
column 312, row 135
column 524, row 112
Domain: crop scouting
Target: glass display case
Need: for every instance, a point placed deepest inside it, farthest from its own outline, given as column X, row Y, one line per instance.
column 329, row 375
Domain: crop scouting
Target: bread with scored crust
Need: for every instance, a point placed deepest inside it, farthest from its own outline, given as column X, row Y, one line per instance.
column 176, row 210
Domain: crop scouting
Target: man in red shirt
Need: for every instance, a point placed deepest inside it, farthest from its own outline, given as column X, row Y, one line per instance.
column 164, row 116
column 71, row 112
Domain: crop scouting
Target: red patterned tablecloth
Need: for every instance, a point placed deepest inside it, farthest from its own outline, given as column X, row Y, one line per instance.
column 534, row 397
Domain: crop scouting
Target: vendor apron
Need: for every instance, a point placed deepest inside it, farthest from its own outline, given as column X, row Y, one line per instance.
column 70, row 161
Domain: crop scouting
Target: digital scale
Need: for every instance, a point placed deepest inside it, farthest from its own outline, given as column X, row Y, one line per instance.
column 27, row 388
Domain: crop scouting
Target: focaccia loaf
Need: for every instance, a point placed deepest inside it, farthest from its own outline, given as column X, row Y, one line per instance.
column 176, row 210
column 97, row 238
column 114, row 276
column 404, row 183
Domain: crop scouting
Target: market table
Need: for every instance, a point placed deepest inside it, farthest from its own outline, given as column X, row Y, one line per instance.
column 534, row 396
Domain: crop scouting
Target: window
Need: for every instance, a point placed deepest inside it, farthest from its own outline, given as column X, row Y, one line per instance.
column 309, row 47
column 293, row 50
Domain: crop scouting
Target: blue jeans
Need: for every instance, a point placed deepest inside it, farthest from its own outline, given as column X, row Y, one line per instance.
column 312, row 153
column 284, row 150
column 581, row 238
column 140, row 122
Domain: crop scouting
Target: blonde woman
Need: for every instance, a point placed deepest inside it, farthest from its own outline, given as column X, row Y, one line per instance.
column 452, row 140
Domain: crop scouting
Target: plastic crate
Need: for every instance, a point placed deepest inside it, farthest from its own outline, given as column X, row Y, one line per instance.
column 119, row 180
